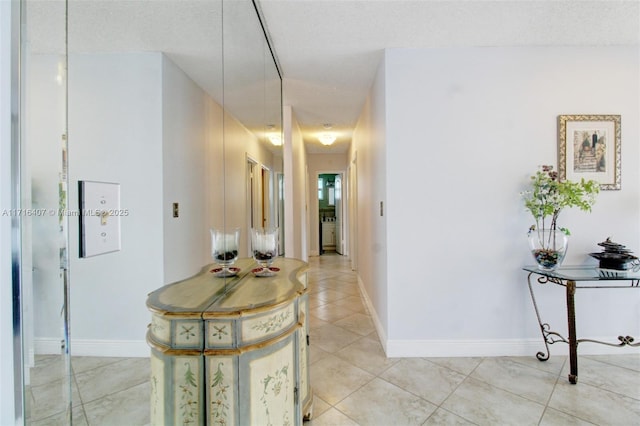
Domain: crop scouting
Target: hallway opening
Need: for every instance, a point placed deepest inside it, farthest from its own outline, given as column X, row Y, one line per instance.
column 330, row 213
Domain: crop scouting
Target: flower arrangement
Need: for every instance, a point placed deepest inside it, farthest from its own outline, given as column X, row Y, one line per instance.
column 545, row 200
column 548, row 196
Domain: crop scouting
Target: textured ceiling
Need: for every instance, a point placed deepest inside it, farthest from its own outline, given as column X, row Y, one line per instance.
column 328, row 50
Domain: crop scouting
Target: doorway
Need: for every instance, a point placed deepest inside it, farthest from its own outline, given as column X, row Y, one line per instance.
column 330, row 213
column 261, row 211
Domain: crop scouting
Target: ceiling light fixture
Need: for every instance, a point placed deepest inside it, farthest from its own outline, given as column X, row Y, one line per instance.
column 275, row 139
column 327, row 138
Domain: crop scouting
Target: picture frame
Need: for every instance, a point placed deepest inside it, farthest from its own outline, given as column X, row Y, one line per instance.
column 589, row 148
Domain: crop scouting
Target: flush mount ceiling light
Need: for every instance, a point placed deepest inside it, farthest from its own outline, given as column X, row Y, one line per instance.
column 275, row 139
column 327, row 138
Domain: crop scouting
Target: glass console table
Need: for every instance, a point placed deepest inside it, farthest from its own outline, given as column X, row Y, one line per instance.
column 573, row 278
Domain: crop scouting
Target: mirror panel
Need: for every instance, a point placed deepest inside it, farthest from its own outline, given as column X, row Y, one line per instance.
column 253, row 107
column 173, row 100
column 44, row 219
column 274, row 138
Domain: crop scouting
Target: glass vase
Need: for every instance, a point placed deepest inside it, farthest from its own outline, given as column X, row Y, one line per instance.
column 548, row 247
column 224, row 250
column 264, row 246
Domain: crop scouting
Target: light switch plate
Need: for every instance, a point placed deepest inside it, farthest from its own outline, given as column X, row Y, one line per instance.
column 99, row 217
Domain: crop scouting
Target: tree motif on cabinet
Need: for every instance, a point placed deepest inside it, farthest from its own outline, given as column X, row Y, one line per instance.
column 221, row 395
column 188, row 395
column 157, row 389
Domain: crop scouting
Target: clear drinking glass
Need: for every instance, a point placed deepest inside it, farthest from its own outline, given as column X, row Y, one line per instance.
column 224, row 250
column 264, row 244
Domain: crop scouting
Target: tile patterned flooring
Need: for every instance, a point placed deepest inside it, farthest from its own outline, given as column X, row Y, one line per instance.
column 355, row 384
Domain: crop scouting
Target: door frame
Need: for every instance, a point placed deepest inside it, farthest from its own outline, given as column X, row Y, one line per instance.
column 315, row 219
column 352, row 185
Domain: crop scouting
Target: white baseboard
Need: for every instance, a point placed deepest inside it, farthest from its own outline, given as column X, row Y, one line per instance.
column 480, row 348
column 382, row 334
column 104, row 348
column 493, row 348
column 463, row 348
column 393, row 348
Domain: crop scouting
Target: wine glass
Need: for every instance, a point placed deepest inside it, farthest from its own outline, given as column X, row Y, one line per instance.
column 264, row 243
column 224, row 250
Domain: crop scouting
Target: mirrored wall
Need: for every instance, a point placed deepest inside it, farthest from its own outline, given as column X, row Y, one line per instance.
column 44, row 185
column 178, row 103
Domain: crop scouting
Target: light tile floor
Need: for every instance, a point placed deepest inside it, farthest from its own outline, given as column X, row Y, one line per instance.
column 355, row 384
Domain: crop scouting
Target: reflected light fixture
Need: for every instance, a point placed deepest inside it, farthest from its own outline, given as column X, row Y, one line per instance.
column 327, row 138
column 60, row 75
column 275, row 139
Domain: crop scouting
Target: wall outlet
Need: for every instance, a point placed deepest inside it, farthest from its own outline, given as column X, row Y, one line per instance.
column 176, row 210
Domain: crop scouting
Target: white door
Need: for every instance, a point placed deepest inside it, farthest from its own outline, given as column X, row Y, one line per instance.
column 339, row 221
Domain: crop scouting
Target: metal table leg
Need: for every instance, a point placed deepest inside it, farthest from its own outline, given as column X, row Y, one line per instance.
column 573, row 342
column 544, row 328
column 550, row 337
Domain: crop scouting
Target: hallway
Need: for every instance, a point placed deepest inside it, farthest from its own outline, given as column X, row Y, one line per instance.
column 355, row 384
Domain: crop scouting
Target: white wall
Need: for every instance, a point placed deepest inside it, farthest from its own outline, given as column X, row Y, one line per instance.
column 464, row 130
column 296, row 197
column 368, row 150
column 115, row 135
column 320, row 163
column 188, row 124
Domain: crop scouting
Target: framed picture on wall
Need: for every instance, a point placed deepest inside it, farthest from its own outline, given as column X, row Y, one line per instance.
column 589, row 148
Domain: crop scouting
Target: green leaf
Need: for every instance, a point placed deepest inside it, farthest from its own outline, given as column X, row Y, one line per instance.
column 548, row 196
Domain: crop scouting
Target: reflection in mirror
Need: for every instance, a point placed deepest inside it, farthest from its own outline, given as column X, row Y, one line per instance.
column 253, row 121
column 44, row 269
column 158, row 104
column 274, row 138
